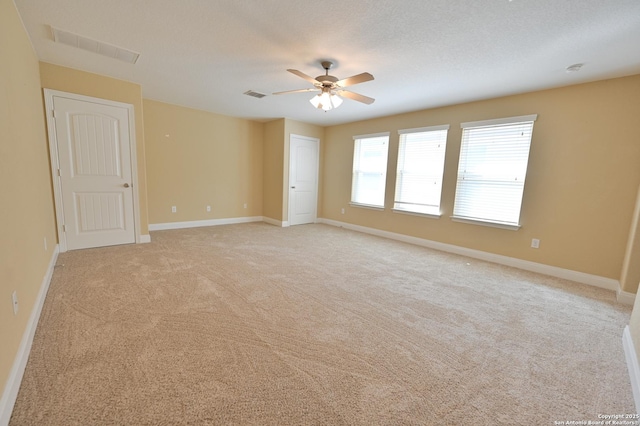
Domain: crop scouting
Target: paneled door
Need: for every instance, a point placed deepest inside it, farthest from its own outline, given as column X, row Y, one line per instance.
column 303, row 180
column 95, row 173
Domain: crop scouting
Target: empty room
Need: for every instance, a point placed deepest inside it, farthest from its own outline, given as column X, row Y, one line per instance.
column 341, row 213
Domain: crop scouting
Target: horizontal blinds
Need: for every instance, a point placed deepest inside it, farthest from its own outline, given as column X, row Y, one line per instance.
column 419, row 170
column 369, row 170
column 491, row 172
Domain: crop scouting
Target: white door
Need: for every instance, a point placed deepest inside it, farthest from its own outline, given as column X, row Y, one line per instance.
column 95, row 173
column 303, row 179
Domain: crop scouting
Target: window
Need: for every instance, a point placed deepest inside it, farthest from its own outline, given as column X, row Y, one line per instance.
column 369, row 169
column 492, row 169
column 420, row 169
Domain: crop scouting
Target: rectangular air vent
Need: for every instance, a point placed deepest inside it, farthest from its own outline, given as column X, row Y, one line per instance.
column 94, row 46
column 254, row 94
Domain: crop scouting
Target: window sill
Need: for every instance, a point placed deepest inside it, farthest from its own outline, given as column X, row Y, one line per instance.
column 429, row 215
column 485, row 223
column 366, row 206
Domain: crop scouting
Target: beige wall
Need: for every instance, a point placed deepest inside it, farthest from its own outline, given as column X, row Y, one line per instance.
column 26, row 211
column 98, row 86
column 581, row 184
column 197, row 158
column 273, row 169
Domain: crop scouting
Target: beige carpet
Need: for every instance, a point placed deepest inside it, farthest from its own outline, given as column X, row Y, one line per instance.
column 254, row 324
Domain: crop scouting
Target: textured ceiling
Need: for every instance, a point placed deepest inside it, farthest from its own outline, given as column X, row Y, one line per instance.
column 423, row 53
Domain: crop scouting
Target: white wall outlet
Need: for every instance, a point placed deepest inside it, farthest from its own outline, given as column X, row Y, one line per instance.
column 173, row 209
column 45, row 243
column 535, row 243
column 208, row 208
column 14, row 299
column 245, row 205
column 342, row 210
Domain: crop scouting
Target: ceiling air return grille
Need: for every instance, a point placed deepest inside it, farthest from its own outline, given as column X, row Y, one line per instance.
column 255, row 94
column 94, row 46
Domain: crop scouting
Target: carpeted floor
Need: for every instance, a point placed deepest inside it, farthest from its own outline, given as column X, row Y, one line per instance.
column 255, row 324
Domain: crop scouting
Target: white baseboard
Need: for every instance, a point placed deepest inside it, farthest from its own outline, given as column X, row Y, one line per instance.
column 567, row 274
column 12, row 386
column 275, row 222
column 146, row 238
column 632, row 365
column 625, row 298
column 200, row 223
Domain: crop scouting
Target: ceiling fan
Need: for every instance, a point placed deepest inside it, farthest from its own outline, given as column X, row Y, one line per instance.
column 331, row 88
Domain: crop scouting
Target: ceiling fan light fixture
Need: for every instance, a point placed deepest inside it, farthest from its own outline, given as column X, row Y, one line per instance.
column 326, row 101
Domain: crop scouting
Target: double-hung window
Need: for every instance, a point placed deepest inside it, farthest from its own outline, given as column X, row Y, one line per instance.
column 491, row 172
column 420, row 169
column 369, row 169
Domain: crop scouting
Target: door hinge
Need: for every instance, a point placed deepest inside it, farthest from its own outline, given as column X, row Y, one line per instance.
column 53, row 112
column 59, row 172
column 64, row 228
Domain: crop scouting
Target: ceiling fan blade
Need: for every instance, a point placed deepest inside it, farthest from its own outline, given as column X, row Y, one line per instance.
column 356, row 79
column 296, row 91
column 306, row 77
column 356, row 97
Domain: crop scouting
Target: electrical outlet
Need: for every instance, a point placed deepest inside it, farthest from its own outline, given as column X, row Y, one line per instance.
column 245, row 205
column 208, row 208
column 342, row 210
column 173, row 209
column 14, row 299
column 535, row 243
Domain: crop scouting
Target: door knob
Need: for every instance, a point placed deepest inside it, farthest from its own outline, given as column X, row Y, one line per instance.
column 126, row 185
column 293, row 187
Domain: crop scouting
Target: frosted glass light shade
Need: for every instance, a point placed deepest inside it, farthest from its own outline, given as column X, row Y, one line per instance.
column 315, row 101
column 325, row 101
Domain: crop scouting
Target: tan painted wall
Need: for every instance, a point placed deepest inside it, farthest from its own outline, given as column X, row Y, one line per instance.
column 197, row 158
column 581, row 184
column 273, row 169
column 75, row 81
column 26, row 211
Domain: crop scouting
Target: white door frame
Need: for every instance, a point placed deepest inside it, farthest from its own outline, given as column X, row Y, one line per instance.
column 49, row 94
column 289, row 192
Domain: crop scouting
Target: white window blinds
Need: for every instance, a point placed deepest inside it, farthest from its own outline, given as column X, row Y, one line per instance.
column 420, row 168
column 492, row 169
column 369, row 169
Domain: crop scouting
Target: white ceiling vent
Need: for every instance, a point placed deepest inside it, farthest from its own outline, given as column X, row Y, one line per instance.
column 94, row 46
column 254, row 94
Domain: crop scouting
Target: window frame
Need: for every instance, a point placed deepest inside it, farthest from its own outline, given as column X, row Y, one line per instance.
column 400, row 170
column 492, row 123
column 356, row 141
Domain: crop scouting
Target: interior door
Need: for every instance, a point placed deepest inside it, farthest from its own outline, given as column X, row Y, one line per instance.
column 94, row 161
column 303, row 179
